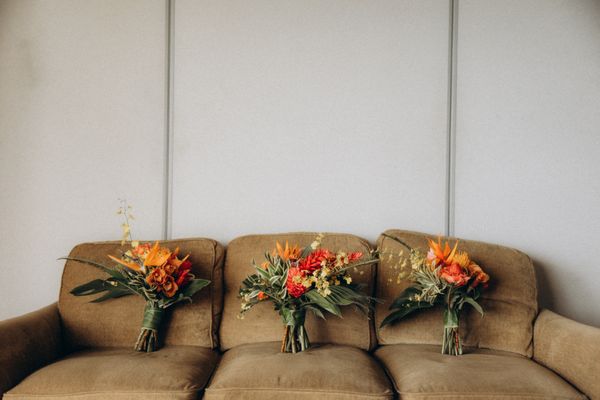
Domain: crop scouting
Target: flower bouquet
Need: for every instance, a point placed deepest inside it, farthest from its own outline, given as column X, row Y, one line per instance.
column 443, row 276
column 153, row 272
column 296, row 280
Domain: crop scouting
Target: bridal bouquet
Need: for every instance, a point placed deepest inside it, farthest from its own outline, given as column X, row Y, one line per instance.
column 157, row 274
column 444, row 276
column 296, row 280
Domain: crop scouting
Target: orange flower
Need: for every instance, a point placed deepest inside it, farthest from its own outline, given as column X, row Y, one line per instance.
column 288, row 253
column 156, row 277
column 169, row 287
column 129, row 264
column 262, row 296
column 454, row 274
column 141, row 250
column 480, row 276
column 157, row 256
column 438, row 255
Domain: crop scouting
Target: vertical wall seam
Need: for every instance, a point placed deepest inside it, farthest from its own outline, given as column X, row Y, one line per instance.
column 451, row 120
column 168, row 174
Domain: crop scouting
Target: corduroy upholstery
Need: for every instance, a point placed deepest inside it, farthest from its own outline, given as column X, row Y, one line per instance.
column 420, row 372
column 510, row 302
column 260, row 371
column 262, row 323
column 117, row 322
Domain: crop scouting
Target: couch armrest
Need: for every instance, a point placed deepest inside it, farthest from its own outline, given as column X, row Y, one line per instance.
column 570, row 349
column 28, row 343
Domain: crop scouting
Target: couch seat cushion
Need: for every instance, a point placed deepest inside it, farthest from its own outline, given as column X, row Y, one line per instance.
column 260, row 371
column 421, row 372
column 175, row 372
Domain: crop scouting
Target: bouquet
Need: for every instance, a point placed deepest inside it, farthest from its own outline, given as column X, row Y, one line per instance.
column 153, row 272
column 296, row 280
column 444, row 276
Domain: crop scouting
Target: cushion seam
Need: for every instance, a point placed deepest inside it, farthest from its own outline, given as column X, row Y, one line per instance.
column 462, row 394
column 384, row 394
column 9, row 394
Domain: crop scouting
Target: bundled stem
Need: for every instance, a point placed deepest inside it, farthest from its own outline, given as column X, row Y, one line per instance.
column 148, row 339
column 295, row 337
column 451, row 343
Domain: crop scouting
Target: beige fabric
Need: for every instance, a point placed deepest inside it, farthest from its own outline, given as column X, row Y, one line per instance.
column 28, row 342
column 175, row 372
column 569, row 348
column 510, row 303
column 260, row 371
column 117, row 322
column 262, row 323
column 421, row 372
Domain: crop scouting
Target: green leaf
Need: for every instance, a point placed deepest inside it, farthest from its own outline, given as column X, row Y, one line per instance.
column 112, row 272
column 92, row 287
column 316, row 311
column 408, row 309
column 474, row 304
column 113, row 293
column 306, row 251
column 194, row 287
column 315, row 297
column 405, row 297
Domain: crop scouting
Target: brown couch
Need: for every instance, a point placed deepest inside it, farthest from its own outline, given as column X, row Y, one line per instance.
column 78, row 350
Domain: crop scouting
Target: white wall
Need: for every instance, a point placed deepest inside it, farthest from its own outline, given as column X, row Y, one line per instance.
column 300, row 115
column 528, row 140
column 81, row 124
column 309, row 115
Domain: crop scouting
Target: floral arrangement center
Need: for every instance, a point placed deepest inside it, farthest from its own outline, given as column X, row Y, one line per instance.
column 443, row 276
column 298, row 280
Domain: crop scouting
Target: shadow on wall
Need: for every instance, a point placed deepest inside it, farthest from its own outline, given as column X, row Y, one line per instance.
column 545, row 298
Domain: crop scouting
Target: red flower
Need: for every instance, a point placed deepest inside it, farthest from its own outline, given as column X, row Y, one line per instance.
column 294, row 282
column 454, row 274
column 184, row 278
column 315, row 259
column 354, row 256
column 184, row 275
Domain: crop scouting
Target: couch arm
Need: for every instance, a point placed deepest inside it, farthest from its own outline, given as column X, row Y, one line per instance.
column 28, row 343
column 570, row 349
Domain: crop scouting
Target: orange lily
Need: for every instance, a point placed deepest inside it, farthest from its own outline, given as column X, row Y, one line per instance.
column 157, row 256
column 288, row 253
column 129, row 264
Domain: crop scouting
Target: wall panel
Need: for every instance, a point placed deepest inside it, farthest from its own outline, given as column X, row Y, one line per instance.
column 309, row 115
column 81, row 124
column 528, row 139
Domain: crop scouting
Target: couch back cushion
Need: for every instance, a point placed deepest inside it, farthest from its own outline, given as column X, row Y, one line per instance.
column 262, row 323
column 510, row 302
column 117, row 322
